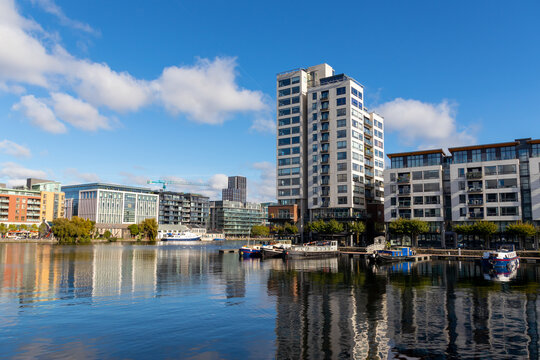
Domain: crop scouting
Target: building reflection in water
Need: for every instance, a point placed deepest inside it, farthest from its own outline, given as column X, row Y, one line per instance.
column 418, row 310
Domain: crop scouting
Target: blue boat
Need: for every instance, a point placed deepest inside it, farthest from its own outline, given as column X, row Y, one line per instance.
column 253, row 251
column 398, row 254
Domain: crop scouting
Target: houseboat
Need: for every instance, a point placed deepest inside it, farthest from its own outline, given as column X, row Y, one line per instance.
column 398, row 254
column 274, row 249
column 180, row 236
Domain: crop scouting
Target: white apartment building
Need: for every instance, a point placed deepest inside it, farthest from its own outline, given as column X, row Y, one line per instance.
column 495, row 182
column 330, row 149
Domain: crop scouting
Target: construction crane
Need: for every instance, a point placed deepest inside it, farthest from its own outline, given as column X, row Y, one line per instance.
column 164, row 183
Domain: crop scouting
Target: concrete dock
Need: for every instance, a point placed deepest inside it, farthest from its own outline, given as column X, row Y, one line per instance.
column 228, row 251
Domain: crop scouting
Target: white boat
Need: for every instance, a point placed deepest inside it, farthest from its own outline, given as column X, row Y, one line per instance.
column 275, row 248
column 318, row 249
column 503, row 260
column 181, row 236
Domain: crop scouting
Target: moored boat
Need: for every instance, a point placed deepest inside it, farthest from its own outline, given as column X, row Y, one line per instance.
column 502, row 260
column 313, row 250
column 398, row 254
column 274, row 249
column 250, row 251
column 181, row 236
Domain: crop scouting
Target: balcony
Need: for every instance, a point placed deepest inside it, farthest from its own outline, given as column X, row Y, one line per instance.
column 404, row 205
column 324, row 96
column 368, row 132
column 474, row 175
column 474, row 189
column 404, row 179
column 476, row 215
column 368, row 122
column 325, row 193
column 476, row 202
column 404, row 192
column 368, row 153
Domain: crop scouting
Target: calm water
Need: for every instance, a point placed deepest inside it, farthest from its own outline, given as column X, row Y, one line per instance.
column 114, row 301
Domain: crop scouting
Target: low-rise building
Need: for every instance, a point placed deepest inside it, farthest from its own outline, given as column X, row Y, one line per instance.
column 234, row 218
column 20, row 206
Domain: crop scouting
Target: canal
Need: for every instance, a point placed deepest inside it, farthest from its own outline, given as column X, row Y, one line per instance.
column 174, row 301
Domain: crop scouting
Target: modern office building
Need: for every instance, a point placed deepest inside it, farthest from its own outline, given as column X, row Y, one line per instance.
column 495, row 182
column 175, row 208
column 236, row 189
column 112, row 207
column 330, row 148
column 234, row 218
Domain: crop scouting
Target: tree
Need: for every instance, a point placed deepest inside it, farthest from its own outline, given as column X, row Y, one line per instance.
column 43, row 230
column 107, row 234
column 357, row 227
column 485, row 229
column 333, row 227
column 317, row 226
column 12, row 227
column 291, row 229
column 133, row 230
column 23, row 227
column 259, row 230
column 521, row 231
column 411, row 227
column 463, row 229
column 3, row 229
column 34, row 227
column 149, row 228
column 76, row 230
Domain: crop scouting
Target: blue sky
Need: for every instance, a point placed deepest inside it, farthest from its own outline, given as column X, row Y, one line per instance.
column 123, row 91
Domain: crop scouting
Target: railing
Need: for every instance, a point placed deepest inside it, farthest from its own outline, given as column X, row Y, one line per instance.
column 404, row 192
column 476, row 202
column 404, row 205
column 474, row 175
column 476, row 215
column 404, row 179
column 474, row 189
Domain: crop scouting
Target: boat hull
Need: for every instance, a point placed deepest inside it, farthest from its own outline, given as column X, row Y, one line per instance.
column 248, row 253
column 291, row 254
column 197, row 238
column 501, row 265
column 271, row 253
column 388, row 259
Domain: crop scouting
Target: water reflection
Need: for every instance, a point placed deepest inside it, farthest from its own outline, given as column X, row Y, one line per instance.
column 175, row 301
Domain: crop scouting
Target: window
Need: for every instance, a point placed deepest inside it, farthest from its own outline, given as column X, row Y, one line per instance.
column 342, row 200
column 341, row 112
column 393, row 201
column 431, row 187
column 356, row 135
column 417, row 175
column 476, row 155
column 431, row 174
column 490, row 170
column 295, row 171
column 507, row 169
column 341, row 134
column 507, row 197
column 295, row 192
column 462, row 199
column 284, row 192
column 284, row 92
column 295, row 181
column 508, row 152
column 314, row 117
column 314, row 137
column 509, row 211
column 491, row 197
column 341, row 123
column 341, row 166
column 285, row 141
column 314, row 127
column 358, row 168
column 392, row 176
column 295, row 160
column 432, row 213
column 431, row 200
column 418, row 213
column 460, row 157
column 340, row 91
column 283, row 112
column 295, row 150
column 285, row 121
column 315, row 169
column 284, row 182
column 492, row 211
column 341, row 145
column 415, row 160
column 491, row 155
column 295, row 140
column 295, row 80
column 295, row 100
column 295, row 120
column 418, row 187
column 491, row 184
column 507, row 183
column 283, row 172
column 283, row 102
column 461, row 172
column 282, row 162
column 314, row 96
column 295, row 90
column 461, row 185
column 418, row 200
column 341, row 101
column 462, row 212
column 282, row 132
column 342, row 155
column 295, row 130
column 535, row 150
column 324, row 116
column 397, row 162
column 341, row 177
column 295, row 110
column 342, row 189
column 393, row 213
column 284, row 82
column 433, row 159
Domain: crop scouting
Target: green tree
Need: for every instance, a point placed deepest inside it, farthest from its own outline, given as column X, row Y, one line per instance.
column 133, row 230
column 411, row 227
column 34, row 227
column 43, row 230
column 521, row 231
column 464, row 229
column 317, row 226
column 107, row 234
column 291, row 229
column 23, row 227
column 259, row 230
column 333, row 227
column 12, row 227
column 149, row 228
column 76, row 230
column 357, row 228
column 3, row 229
column 486, row 230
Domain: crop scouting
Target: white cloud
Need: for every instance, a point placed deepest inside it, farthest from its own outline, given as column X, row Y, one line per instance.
column 263, row 189
column 14, row 149
column 80, row 176
column 101, row 86
column 132, row 179
column 16, row 174
column 423, row 124
column 264, row 125
column 207, row 92
column 50, row 7
column 39, row 114
column 78, row 113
